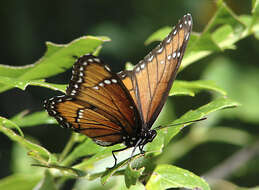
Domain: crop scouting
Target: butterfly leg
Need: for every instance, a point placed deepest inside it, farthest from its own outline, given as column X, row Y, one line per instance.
column 115, row 159
column 141, row 149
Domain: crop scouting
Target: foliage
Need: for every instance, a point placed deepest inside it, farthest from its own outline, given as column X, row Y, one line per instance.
column 152, row 171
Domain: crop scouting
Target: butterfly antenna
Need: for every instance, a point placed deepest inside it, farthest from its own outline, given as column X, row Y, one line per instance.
column 183, row 123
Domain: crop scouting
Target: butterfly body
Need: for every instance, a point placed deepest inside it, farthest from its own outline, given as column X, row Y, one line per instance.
column 117, row 108
column 140, row 139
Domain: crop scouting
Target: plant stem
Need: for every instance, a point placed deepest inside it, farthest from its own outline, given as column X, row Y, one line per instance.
column 67, row 148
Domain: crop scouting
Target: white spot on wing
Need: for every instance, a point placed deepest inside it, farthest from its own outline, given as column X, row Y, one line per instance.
column 81, row 68
column 76, row 86
column 175, row 31
column 80, row 113
column 73, row 92
column 59, row 118
column 169, row 38
column 150, row 58
column 114, row 80
column 81, row 74
column 53, row 112
column 97, row 60
column 174, row 55
column 107, row 81
column 102, row 143
column 123, row 76
column 178, row 54
column 160, row 49
column 142, row 66
column 96, row 87
column 80, row 80
column 107, row 68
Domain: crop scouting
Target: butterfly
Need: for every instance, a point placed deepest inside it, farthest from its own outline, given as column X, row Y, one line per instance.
column 113, row 108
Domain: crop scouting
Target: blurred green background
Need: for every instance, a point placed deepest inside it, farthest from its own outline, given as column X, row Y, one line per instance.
column 27, row 25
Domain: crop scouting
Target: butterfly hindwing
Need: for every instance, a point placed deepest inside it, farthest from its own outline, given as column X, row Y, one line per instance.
column 151, row 79
column 97, row 103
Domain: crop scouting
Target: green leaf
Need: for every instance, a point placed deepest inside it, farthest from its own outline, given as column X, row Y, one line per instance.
column 247, row 188
column 223, row 17
column 111, row 171
column 23, row 164
column 22, row 84
column 36, row 118
column 159, row 35
column 138, row 186
column 132, row 175
column 223, row 184
column 47, row 183
column 57, row 59
column 221, row 134
column 168, row 176
column 37, row 152
column 222, row 32
column 215, row 105
column 82, row 151
column 20, row 181
column 241, row 83
column 193, row 87
column 63, row 169
column 255, row 19
column 157, row 145
column 7, row 123
column 170, row 132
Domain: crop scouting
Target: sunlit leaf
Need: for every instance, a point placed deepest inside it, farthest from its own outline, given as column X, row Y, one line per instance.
column 36, row 151
column 57, row 59
column 191, row 88
column 37, row 118
column 20, row 181
column 168, row 176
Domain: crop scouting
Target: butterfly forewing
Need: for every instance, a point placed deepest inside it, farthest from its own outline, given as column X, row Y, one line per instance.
column 151, row 79
column 97, row 103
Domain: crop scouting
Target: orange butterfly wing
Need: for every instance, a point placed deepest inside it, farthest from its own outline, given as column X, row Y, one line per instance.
column 152, row 78
column 97, row 104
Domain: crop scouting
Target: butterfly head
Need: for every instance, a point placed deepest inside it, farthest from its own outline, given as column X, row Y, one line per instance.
column 152, row 135
column 141, row 138
column 148, row 136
